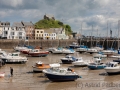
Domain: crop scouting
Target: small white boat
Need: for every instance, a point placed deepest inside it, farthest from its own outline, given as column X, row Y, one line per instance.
column 112, row 68
column 92, row 50
column 97, row 55
column 13, row 58
column 80, row 62
column 2, row 74
column 82, row 49
column 61, row 51
column 60, row 74
column 108, row 52
column 74, row 45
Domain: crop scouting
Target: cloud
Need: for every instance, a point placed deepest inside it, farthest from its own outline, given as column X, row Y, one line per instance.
column 96, row 13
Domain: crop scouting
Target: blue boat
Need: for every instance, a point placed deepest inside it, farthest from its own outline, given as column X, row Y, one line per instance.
column 60, row 74
column 96, row 65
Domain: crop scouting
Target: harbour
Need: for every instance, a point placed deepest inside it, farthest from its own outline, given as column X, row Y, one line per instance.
column 24, row 78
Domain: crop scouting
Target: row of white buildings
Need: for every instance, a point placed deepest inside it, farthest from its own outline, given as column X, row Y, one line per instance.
column 26, row 30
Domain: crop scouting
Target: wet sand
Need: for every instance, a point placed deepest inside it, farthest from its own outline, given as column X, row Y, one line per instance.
column 24, row 79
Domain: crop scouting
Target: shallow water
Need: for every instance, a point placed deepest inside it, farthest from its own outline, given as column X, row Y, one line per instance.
column 25, row 79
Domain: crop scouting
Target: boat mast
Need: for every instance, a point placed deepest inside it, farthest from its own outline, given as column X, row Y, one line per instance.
column 81, row 34
column 107, row 34
column 118, row 34
column 91, row 35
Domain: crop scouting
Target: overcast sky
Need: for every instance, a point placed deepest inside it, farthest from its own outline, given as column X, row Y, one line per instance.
column 95, row 16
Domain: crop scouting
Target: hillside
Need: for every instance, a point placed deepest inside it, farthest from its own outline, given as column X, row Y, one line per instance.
column 45, row 23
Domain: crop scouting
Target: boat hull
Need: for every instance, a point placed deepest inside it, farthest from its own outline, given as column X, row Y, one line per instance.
column 59, row 78
column 112, row 71
column 7, row 61
column 38, row 54
column 93, row 67
column 66, row 61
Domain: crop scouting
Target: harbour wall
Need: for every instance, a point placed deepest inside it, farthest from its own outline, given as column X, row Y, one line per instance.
column 9, row 44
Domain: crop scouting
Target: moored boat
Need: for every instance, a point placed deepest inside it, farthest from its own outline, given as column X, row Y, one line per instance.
column 13, row 58
column 39, row 66
column 60, row 74
column 38, row 53
column 80, row 62
column 68, row 59
column 112, row 68
column 96, row 64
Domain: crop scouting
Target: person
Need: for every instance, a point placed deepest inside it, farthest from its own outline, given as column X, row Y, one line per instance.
column 11, row 71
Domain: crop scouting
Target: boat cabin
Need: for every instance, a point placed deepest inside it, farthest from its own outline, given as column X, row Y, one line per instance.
column 112, row 64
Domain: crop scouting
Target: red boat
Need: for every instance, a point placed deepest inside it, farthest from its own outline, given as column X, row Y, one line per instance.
column 25, row 51
column 38, row 52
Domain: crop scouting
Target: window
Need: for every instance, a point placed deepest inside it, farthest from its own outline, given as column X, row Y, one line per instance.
column 41, row 31
column 37, row 31
column 12, row 33
column 20, row 33
column 6, row 32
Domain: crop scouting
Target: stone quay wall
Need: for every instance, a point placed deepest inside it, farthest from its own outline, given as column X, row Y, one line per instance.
column 9, row 44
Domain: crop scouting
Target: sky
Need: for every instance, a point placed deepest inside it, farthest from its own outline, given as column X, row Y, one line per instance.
column 88, row 17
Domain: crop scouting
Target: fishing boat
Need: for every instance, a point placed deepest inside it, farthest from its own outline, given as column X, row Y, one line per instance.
column 80, row 62
column 39, row 66
column 38, row 53
column 13, row 58
column 82, row 49
column 96, row 64
column 112, row 68
column 2, row 74
column 68, row 59
column 61, row 74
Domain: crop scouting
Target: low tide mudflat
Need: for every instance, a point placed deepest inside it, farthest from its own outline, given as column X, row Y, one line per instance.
column 24, row 79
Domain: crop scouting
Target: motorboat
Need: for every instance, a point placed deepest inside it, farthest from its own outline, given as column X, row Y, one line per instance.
column 74, row 45
column 68, row 59
column 112, row 68
column 92, row 50
column 13, row 58
column 25, row 51
column 96, row 64
column 39, row 66
column 19, row 47
column 61, row 74
column 101, row 55
column 38, row 53
column 108, row 52
column 2, row 74
column 80, row 62
column 82, row 49
column 61, row 51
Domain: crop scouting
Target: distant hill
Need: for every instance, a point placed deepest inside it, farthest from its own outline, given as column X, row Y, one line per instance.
column 50, row 23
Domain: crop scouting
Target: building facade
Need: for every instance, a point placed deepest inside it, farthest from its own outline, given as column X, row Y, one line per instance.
column 18, row 31
column 5, row 30
column 29, row 29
